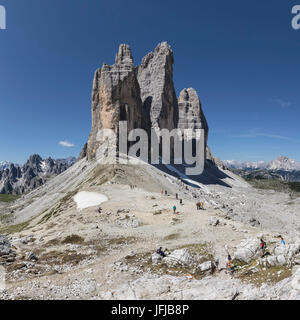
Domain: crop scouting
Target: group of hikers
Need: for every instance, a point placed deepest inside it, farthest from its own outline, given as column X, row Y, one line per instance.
column 132, row 186
column 200, row 205
column 229, row 267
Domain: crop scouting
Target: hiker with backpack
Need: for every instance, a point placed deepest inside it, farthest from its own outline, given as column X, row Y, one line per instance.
column 174, row 209
column 263, row 246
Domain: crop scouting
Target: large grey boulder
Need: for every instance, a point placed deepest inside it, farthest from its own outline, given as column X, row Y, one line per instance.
column 205, row 266
column 284, row 254
column 247, row 250
column 178, row 258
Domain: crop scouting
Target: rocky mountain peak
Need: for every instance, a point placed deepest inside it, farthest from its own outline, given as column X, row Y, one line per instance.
column 143, row 96
column 191, row 115
column 18, row 179
column 124, row 55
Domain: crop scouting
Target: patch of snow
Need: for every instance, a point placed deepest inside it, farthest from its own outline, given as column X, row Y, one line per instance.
column 86, row 199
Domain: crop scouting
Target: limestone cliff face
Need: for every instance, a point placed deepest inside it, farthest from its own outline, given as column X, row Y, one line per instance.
column 155, row 77
column 191, row 115
column 115, row 97
column 143, row 96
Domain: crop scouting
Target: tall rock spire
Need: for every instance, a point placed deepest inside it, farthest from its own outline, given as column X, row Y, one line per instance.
column 191, row 115
column 155, row 77
column 115, row 97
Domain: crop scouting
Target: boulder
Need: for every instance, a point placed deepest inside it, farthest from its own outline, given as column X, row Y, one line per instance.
column 213, row 221
column 247, row 250
column 156, row 258
column 178, row 257
column 205, row 266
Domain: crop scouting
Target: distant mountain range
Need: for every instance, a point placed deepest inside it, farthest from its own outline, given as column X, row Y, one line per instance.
column 282, row 168
column 281, row 163
column 16, row 179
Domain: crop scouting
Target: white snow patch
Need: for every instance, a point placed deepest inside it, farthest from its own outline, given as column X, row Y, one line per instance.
column 86, row 199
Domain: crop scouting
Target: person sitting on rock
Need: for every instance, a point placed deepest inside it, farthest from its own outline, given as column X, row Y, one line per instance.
column 160, row 252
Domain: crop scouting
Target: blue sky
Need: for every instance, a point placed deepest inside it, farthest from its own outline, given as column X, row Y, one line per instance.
column 242, row 57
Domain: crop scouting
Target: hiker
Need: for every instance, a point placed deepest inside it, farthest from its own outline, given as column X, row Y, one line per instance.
column 263, row 246
column 217, row 262
column 229, row 265
column 174, row 209
column 176, row 195
column 228, row 262
column 162, row 191
column 198, row 205
column 282, row 240
column 202, row 206
column 160, row 252
column 166, row 192
column 180, row 201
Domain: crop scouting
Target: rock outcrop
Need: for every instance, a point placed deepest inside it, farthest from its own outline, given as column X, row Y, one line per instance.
column 115, row 97
column 155, row 77
column 247, row 250
column 144, row 96
column 191, row 115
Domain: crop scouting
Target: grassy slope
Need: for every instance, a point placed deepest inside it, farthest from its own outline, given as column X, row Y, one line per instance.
column 276, row 185
column 8, row 197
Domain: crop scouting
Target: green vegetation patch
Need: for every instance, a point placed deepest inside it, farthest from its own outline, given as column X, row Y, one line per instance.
column 276, row 185
column 8, row 197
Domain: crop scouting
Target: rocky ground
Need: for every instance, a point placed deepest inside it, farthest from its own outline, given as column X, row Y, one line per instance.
column 108, row 251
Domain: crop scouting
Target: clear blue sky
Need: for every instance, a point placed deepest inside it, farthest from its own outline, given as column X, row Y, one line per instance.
column 241, row 56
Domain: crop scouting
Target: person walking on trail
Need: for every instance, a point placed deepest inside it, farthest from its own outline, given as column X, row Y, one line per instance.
column 160, row 252
column 263, row 246
column 180, row 201
column 174, row 209
column 282, row 240
column 228, row 262
column 176, row 195
column 198, row 205
column 166, row 192
column 229, row 265
column 202, row 206
column 217, row 262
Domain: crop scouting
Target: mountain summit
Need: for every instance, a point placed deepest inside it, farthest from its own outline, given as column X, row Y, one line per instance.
column 144, row 96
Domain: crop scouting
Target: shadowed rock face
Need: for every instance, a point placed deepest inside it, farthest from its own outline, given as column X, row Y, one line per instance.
column 155, row 77
column 115, row 97
column 191, row 115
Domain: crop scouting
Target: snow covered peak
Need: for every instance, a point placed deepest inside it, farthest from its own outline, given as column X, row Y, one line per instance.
column 4, row 164
column 284, row 163
column 281, row 163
